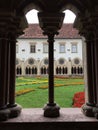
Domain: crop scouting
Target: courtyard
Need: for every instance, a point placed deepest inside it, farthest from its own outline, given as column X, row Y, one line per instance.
column 32, row 92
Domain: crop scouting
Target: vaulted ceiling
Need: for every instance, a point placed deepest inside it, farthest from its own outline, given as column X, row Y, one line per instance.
column 21, row 7
column 48, row 5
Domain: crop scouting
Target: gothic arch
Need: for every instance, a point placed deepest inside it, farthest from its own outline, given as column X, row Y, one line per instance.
column 26, row 5
column 61, row 67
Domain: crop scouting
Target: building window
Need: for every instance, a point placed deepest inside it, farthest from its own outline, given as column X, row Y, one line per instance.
column 17, row 47
column 45, row 48
column 32, row 48
column 62, row 48
column 74, row 48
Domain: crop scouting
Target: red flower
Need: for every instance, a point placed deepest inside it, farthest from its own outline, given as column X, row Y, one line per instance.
column 78, row 99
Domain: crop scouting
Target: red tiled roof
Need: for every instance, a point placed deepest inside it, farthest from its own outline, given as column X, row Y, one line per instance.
column 34, row 31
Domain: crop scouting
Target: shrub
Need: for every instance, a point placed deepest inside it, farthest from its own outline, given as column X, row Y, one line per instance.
column 78, row 99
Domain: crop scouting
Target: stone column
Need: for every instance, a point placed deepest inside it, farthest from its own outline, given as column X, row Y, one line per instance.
column 7, row 71
column 51, row 109
column 85, row 26
column 14, row 108
column 38, row 67
column 54, row 67
column 95, row 110
column 23, row 68
column 4, row 112
column 69, row 65
column 51, row 23
column 91, row 80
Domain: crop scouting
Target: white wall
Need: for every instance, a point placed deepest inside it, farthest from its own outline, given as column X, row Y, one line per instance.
column 24, row 44
column 68, row 53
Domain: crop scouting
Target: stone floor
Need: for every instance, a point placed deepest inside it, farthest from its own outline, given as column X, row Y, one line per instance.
column 66, row 115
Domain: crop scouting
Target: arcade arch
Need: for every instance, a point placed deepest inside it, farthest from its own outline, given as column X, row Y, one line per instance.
column 50, row 20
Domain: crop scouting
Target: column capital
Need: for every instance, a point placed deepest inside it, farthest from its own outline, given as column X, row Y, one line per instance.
column 11, row 24
column 87, row 24
column 50, row 23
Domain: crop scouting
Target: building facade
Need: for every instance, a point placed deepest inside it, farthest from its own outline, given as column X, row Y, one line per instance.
column 32, row 52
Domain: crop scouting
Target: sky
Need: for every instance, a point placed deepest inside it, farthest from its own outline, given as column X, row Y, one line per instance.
column 32, row 16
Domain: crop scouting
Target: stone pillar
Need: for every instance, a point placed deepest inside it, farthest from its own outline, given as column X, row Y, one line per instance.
column 95, row 110
column 14, row 108
column 91, row 80
column 85, row 67
column 10, row 28
column 51, row 23
column 86, row 29
column 51, row 109
column 4, row 112
column 38, row 67
column 87, row 25
column 54, row 67
column 69, row 65
column 23, row 68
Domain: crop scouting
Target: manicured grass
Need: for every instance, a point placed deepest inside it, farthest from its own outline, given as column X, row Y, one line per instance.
column 64, row 91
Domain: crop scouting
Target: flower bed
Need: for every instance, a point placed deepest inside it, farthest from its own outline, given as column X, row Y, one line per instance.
column 20, row 92
column 78, row 99
column 60, row 85
column 30, row 83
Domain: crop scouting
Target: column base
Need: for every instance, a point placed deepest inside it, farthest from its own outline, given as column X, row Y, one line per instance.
column 88, row 110
column 95, row 110
column 15, row 110
column 4, row 114
column 51, row 110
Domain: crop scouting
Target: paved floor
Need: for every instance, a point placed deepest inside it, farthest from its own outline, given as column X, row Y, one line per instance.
column 66, row 115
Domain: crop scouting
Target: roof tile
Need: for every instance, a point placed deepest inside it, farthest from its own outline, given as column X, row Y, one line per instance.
column 34, row 31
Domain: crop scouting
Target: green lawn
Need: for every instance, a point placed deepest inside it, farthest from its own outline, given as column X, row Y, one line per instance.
column 64, row 91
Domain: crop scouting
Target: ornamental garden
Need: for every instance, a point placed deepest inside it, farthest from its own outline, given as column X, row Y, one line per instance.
column 32, row 92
